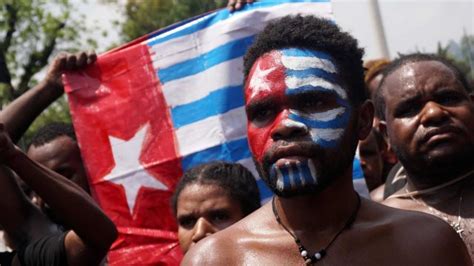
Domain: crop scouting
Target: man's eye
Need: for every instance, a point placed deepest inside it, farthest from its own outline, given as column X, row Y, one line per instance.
column 262, row 116
column 316, row 103
column 408, row 110
column 450, row 99
column 187, row 222
column 219, row 217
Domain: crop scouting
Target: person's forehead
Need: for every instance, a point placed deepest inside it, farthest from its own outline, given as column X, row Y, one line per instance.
column 199, row 198
column 415, row 78
column 270, row 71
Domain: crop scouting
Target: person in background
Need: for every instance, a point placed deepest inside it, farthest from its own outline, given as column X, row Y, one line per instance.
column 306, row 110
column 35, row 238
column 54, row 145
column 210, row 197
column 376, row 157
column 428, row 109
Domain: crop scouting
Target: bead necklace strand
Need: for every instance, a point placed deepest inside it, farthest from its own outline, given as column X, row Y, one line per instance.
column 320, row 254
column 456, row 225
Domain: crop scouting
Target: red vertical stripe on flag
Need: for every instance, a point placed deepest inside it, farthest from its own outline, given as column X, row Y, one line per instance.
column 116, row 97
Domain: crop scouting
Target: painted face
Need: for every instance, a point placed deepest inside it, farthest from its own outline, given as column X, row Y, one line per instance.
column 203, row 210
column 430, row 119
column 296, row 110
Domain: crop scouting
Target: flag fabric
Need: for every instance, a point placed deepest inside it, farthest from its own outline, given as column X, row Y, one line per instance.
column 148, row 111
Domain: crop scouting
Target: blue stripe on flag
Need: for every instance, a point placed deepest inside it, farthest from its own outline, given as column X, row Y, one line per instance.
column 198, row 64
column 357, row 172
column 231, row 151
column 265, row 192
column 221, row 15
column 217, row 102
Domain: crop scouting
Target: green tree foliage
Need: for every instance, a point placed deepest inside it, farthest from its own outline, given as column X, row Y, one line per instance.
column 31, row 31
column 143, row 17
column 461, row 54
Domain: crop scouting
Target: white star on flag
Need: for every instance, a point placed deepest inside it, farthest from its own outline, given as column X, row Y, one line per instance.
column 128, row 171
column 259, row 81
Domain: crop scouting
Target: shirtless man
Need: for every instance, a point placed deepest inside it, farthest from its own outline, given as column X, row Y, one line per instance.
column 429, row 117
column 306, row 111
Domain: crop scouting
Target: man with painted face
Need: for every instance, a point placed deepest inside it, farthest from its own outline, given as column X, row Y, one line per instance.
column 429, row 119
column 306, row 111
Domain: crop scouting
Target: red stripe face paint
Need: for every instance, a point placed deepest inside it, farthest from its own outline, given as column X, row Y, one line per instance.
column 265, row 90
column 297, row 112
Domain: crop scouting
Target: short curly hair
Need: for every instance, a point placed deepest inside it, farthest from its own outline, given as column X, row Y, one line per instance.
column 50, row 132
column 402, row 60
column 318, row 34
column 235, row 179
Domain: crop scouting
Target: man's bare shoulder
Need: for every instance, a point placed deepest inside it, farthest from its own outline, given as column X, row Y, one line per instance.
column 229, row 245
column 422, row 238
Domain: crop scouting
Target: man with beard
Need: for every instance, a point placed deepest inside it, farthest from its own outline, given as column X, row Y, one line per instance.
column 306, row 111
column 429, row 117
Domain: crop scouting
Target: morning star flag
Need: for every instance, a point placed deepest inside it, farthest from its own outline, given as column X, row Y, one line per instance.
column 148, row 111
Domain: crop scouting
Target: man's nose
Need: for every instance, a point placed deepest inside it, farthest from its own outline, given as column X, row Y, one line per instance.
column 433, row 114
column 202, row 229
column 288, row 129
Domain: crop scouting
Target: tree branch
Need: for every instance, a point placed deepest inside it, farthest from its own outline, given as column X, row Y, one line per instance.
column 11, row 27
column 37, row 61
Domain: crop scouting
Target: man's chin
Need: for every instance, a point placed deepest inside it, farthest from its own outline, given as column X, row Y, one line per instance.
column 297, row 191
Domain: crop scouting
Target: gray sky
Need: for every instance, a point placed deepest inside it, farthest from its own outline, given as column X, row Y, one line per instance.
column 408, row 25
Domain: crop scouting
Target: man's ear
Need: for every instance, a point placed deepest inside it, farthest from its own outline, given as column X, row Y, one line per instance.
column 386, row 151
column 382, row 128
column 366, row 117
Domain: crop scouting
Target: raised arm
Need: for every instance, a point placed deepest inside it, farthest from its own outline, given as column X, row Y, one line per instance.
column 92, row 232
column 19, row 114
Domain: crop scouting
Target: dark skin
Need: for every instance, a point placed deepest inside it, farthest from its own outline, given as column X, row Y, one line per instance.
column 19, row 114
column 371, row 161
column 91, row 233
column 202, row 210
column 315, row 218
column 234, row 5
column 430, row 122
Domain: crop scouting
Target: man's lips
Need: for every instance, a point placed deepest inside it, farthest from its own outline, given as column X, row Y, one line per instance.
column 291, row 152
column 440, row 133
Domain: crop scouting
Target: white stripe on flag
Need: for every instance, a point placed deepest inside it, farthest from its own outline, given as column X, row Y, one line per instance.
column 238, row 26
column 195, row 87
column 211, row 131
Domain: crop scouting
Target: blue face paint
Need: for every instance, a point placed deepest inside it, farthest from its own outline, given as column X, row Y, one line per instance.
column 292, row 176
column 311, row 71
column 308, row 70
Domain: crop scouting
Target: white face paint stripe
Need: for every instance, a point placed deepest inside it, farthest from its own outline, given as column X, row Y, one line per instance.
column 303, row 62
column 312, row 169
column 294, row 124
column 295, row 83
column 301, row 175
column 327, row 134
column 279, row 183
column 323, row 116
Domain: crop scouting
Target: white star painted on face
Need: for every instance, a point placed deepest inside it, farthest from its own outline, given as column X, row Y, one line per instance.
column 259, row 81
column 128, row 171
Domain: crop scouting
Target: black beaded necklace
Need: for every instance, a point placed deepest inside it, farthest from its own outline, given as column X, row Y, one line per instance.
column 320, row 254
